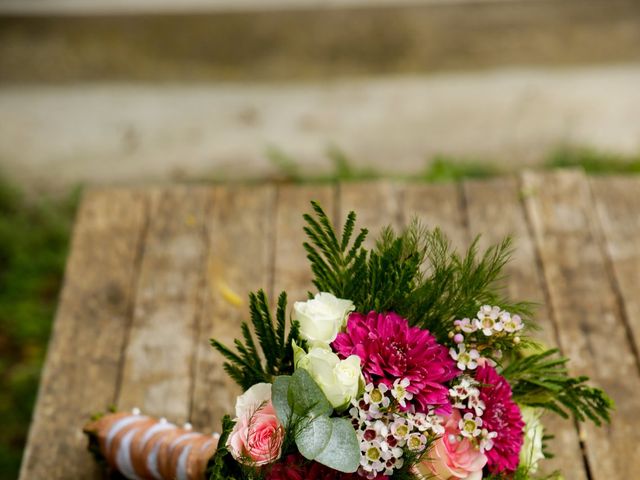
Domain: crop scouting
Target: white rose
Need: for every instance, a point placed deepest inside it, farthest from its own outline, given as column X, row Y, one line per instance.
column 250, row 401
column 322, row 317
column 339, row 380
column 531, row 452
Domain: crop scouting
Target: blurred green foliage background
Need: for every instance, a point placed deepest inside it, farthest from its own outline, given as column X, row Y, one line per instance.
column 34, row 236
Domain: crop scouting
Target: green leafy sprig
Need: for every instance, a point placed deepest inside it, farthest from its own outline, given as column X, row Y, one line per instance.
column 246, row 366
column 415, row 273
column 542, row 380
column 222, row 466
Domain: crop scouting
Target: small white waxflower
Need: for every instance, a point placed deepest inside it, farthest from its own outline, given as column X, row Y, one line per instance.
column 466, row 325
column 465, row 360
column 372, row 460
column 392, row 464
column 469, row 425
column 486, row 440
column 376, row 395
column 464, row 388
column 374, row 411
column 437, row 426
column 400, row 429
column 381, row 428
column 399, row 391
column 511, row 323
column 488, row 320
column 416, row 442
column 357, row 414
column 476, row 404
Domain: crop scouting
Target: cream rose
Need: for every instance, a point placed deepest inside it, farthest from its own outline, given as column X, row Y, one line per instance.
column 531, row 451
column 339, row 380
column 322, row 317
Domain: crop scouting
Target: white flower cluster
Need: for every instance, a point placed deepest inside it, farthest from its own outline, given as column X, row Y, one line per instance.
column 465, row 396
column 492, row 322
column 384, row 432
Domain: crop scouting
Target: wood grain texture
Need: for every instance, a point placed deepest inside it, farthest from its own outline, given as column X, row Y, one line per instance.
column 438, row 205
column 158, row 360
column 292, row 272
column 618, row 206
column 377, row 205
column 494, row 210
column 83, row 360
column 240, row 235
column 584, row 303
column 166, row 270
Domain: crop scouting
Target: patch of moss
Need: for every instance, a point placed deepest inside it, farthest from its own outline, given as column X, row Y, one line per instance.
column 33, row 246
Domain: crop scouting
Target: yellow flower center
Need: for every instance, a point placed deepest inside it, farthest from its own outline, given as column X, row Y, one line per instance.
column 487, row 322
column 376, row 395
column 373, row 454
column 469, row 426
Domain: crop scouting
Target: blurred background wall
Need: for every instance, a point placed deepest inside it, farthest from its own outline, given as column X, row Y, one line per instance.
column 154, row 90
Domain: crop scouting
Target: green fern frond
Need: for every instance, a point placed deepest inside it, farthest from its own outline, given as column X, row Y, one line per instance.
column 542, row 380
column 248, row 366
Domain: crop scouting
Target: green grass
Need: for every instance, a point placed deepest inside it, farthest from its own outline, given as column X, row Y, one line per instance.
column 594, row 162
column 33, row 245
column 441, row 168
column 34, row 239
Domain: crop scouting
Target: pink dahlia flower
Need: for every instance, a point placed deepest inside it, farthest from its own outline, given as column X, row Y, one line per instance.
column 501, row 415
column 390, row 350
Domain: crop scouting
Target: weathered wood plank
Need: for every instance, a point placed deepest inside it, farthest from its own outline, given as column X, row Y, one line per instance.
column 377, row 205
column 84, row 356
column 618, row 206
column 158, row 360
column 240, row 236
column 584, row 304
column 438, row 206
column 494, row 210
column 291, row 267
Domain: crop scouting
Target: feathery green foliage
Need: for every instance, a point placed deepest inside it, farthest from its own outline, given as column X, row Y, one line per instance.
column 415, row 273
column 222, row 466
column 542, row 380
column 246, row 366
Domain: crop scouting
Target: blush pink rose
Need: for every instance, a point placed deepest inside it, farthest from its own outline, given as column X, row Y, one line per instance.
column 453, row 457
column 256, row 438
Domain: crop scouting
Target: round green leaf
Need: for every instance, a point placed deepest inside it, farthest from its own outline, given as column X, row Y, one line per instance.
column 305, row 396
column 313, row 436
column 279, row 398
column 342, row 452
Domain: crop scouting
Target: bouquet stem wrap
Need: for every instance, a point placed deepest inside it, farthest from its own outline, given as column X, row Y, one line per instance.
column 142, row 447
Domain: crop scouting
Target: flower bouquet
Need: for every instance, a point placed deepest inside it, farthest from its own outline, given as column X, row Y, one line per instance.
column 409, row 363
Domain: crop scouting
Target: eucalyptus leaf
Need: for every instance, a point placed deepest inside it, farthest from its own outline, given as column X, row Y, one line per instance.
column 305, row 396
column 313, row 436
column 342, row 452
column 280, row 400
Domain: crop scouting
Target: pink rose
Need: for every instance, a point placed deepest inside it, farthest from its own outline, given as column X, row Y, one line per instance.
column 453, row 456
column 256, row 438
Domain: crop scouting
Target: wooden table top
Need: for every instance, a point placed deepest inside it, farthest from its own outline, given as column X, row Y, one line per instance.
column 154, row 273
